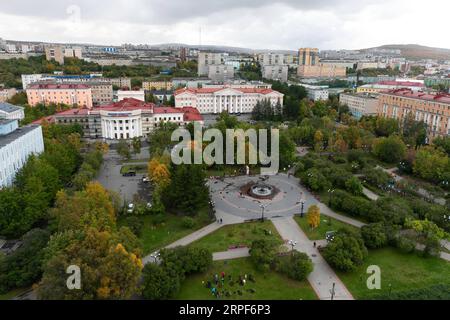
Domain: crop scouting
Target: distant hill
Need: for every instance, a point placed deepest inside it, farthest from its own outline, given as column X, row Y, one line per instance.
column 415, row 51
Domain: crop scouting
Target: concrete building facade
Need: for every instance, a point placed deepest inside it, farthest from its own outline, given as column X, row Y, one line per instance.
column 7, row 93
column 275, row 72
column 16, row 145
column 55, row 53
column 359, row 104
column 11, row 112
column 206, row 59
column 220, row 73
column 310, row 66
column 69, row 94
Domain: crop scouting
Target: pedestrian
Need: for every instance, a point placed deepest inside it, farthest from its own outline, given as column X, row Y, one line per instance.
column 222, row 275
column 243, row 282
column 314, row 244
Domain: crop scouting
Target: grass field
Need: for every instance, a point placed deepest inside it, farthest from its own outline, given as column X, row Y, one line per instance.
column 238, row 234
column 319, row 232
column 154, row 237
column 267, row 286
column 402, row 271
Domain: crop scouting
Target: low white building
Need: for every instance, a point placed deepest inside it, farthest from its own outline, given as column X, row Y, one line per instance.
column 133, row 94
column 317, row 93
column 359, row 104
column 16, row 145
column 10, row 112
column 218, row 99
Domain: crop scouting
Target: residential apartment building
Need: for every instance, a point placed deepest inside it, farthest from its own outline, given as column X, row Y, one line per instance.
column 102, row 92
column 126, row 119
column 134, row 94
column 28, row 79
column 69, row 94
column 267, row 59
column 433, row 109
column 311, row 67
column 6, row 94
column 233, row 100
column 11, row 112
column 220, row 73
column 359, row 104
column 16, row 145
column 55, row 53
column 157, row 85
column 206, row 59
column 275, row 72
column 75, row 52
column 317, row 93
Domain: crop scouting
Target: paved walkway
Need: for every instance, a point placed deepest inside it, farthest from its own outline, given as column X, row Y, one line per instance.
column 369, row 194
column 231, row 254
column 322, row 277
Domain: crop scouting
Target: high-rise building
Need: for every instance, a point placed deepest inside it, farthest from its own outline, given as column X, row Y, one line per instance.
column 206, row 59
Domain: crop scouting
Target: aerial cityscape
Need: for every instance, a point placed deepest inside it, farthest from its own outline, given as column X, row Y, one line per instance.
column 210, row 155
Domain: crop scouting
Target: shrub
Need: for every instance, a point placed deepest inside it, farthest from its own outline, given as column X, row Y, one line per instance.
column 374, row 235
column 405, row 244
column 135, row 225
column 346, row 252
column 188, row 223
column 297, row 266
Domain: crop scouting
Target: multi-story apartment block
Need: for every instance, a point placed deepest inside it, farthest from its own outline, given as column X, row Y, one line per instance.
column 55, row 53
column 157, row 85
column 432, row 109
column 16, row 145
column 126, row 119
column 275, row 72
column 310, row 66
column 220, row 73
column 206, row 59
column 271, row 59
column 359, row 104
column 102, row 92
column 69, row 94
column 11, row 112
column 6, row 94
column 75, row 52
column 224, row 98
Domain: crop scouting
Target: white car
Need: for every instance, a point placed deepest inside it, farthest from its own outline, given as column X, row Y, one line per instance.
column 145, row 179
column 130, row 208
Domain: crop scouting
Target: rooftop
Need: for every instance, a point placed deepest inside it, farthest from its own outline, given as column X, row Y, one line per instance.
column 16, row 134
column 212, row 90
column 9, row 108
column 408, row 93
column 58, row 86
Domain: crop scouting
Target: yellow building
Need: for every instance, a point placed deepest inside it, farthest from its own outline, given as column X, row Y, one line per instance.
column 157, row 85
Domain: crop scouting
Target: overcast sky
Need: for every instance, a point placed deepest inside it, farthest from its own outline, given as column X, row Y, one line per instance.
column 257, row 24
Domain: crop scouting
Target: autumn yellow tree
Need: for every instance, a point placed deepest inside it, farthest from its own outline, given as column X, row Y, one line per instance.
column 318, row 141
column 158, row 172
column 313, row 216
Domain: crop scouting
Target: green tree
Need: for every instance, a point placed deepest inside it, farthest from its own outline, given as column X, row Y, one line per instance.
column 391, row 149
column 297, row 266
column 374, row 235
column 263, row 254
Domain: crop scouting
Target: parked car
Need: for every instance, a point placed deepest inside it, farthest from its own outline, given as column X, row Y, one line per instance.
column 145, row 179
column 129, row 174
column 130, row 208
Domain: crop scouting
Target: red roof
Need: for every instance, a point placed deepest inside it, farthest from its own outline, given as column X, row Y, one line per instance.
column 192, row 114
column 58, row 86
column 159, row 110
column 212, row 90
column 401, row 83
column 405, row 92
column 128, row 104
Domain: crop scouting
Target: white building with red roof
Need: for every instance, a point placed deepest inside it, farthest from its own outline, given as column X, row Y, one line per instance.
column 126, row 119
column 225, row 98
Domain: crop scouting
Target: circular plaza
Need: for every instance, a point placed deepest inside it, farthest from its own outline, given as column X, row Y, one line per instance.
column 251, row 197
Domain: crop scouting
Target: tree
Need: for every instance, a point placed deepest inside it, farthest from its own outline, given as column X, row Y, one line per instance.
column 297, row 266
column 318, row 141
column 136, row 145
column 346, row 252
column 109, row 269
column 158, row 283
column 123, row 149
column 263, row 253
column 158, row 172
column 313, row 216
column 374, row 235
column 391, row 149
column 354, row 186
column 24, row 266
column 431, row 164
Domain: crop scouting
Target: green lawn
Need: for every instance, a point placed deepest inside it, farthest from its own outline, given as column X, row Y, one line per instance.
column 156, row 237
column 267, row 286
column 238, row 234
column 402, row 271
column 319, row 232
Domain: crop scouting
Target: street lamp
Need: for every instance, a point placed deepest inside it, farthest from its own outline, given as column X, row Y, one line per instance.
column 263, row 207
column 292, row 243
